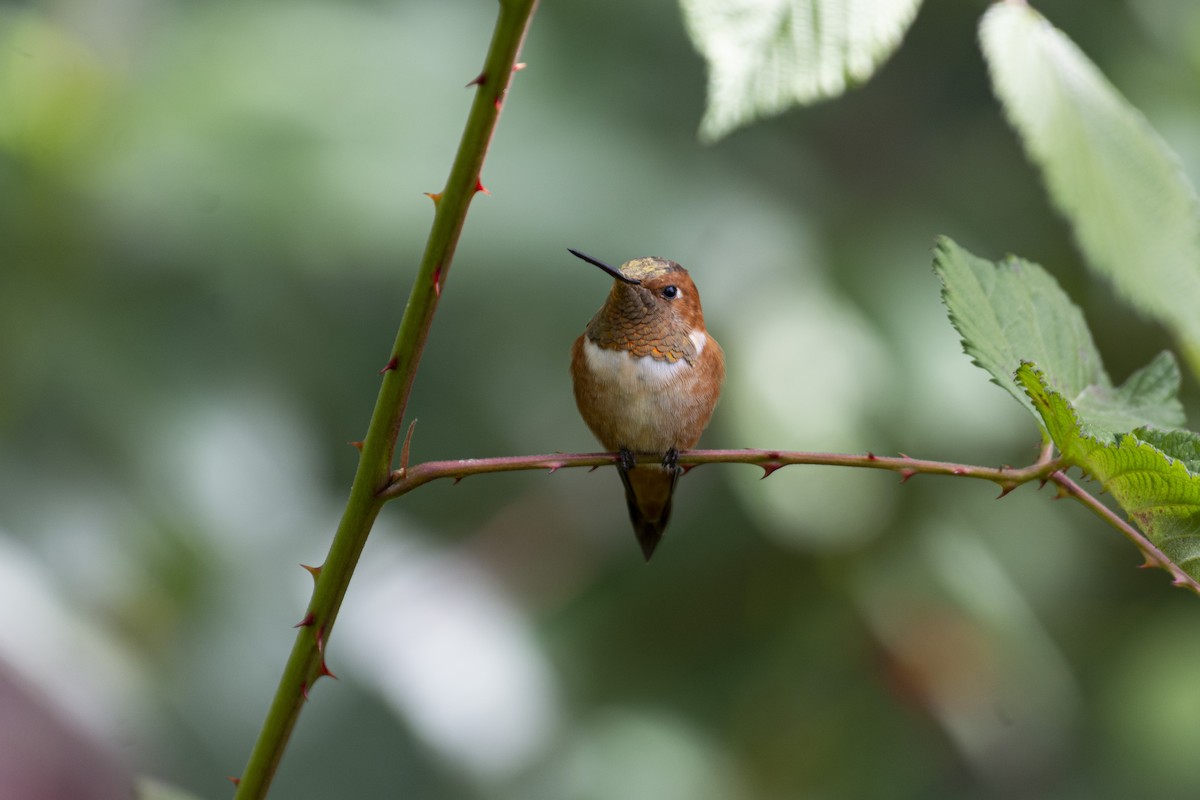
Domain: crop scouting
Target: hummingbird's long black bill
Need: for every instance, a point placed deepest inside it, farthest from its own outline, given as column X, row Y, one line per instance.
column 616, row 273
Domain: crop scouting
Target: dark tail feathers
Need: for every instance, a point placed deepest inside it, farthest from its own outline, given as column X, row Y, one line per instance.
column 649, row 503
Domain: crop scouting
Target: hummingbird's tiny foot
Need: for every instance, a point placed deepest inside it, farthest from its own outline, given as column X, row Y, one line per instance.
column 626, row 459
column 671, row 460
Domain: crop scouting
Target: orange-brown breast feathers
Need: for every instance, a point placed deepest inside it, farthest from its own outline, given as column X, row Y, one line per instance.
column 646, row 405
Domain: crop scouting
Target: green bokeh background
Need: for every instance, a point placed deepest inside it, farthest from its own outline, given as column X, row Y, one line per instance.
column 210, row 214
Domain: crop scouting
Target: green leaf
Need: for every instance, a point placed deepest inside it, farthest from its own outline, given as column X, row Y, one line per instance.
column 1148, row 397
column 1015, row 311
column 1181, row 445
column 1133, row 211
column 765, row 56
column 1157, row 491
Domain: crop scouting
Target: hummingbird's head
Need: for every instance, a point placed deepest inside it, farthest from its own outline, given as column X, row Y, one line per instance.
column 652, row 291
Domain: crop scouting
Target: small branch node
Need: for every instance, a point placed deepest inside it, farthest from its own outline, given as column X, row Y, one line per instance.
column 404, row 449
column 319, row 638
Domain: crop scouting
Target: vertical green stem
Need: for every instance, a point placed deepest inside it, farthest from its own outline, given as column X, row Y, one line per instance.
column 307, row 663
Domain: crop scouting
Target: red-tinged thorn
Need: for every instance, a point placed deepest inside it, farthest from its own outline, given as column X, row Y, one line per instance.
column 314, row 571
column 871, row 456
column 391, row 365
column 304, row 623
column 457, row 480
column 905, row 474
column 958, row 471
column 304, row 689
column 555, row 468
column 356, row 445
column 520, row 65
column 686, row 468
column 499, row 102
column 233, row 780
column 1180, row 582
column 1005, row 488
column 436, row 197
column 326, row 672
column 437, row 281
column 479, row 187
column 769, row 468
column 478, row 80
column 1147, row 562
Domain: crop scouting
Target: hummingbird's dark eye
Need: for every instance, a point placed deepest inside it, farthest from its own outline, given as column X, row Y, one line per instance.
column 670, row 292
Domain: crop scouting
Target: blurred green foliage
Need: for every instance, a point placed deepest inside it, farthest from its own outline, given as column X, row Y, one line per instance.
column 209, row 215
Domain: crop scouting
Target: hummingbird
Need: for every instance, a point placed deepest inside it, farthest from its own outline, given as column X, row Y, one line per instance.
column 647, row 376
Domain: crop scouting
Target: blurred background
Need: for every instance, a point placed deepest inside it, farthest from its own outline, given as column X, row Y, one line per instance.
column 210, row 215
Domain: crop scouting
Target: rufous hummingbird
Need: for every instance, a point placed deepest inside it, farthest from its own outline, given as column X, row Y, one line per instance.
column 647, row 377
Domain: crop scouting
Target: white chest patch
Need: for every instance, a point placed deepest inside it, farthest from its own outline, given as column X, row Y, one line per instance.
column 619, row 367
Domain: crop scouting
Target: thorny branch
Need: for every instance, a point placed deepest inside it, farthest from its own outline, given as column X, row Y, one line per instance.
column 306, row 664
column 1045, row 469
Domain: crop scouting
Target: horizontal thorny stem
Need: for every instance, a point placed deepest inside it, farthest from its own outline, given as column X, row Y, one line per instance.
column 1045, row 469
column 407, row 478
